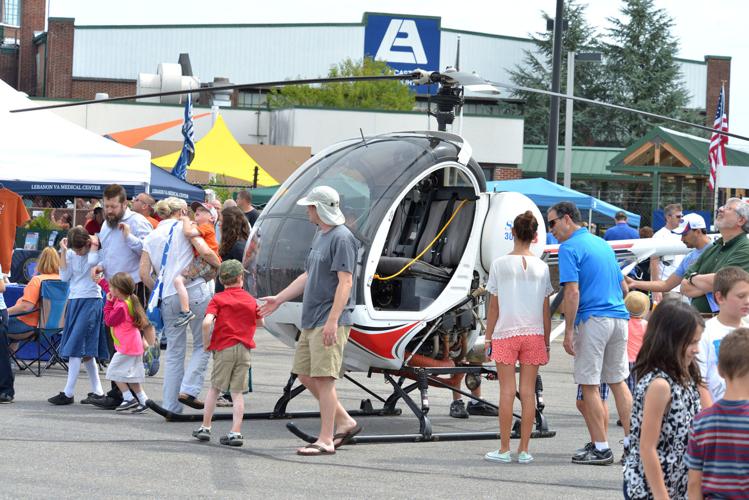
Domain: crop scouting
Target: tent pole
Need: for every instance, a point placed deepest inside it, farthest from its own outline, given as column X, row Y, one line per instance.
column 590, row 218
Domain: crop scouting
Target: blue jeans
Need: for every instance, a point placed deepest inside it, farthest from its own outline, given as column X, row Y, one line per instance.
column 6, row 373
column 176, row 379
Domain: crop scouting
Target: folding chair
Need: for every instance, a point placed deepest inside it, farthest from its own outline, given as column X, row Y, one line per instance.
column 48, row 333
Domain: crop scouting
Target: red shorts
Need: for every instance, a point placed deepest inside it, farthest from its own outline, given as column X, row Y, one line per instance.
column 528, row 349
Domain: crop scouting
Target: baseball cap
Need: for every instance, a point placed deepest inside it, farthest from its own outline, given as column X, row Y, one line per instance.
column 230, row 270
column 327, row 202
column 637, row 303
column 689, row 222
column 210, row 208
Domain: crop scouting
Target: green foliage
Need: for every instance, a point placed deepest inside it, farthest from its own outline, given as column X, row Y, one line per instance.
column 536, row 73
column 639, row 71
column 390, row 95
column 43, row 222
column 219, row 187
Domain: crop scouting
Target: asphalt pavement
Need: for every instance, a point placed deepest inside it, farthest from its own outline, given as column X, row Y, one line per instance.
column 78, row 450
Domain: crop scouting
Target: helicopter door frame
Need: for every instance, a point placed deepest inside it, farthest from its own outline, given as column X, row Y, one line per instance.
column 458, row 286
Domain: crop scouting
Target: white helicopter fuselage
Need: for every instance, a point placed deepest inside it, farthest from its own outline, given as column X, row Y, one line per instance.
column 429, row 236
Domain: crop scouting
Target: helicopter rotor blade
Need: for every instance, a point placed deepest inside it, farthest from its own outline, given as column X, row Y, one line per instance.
column 618, row 107
column 470, row 81
column 344, row 79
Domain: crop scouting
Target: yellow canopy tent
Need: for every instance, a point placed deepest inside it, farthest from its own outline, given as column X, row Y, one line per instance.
column 219, row 153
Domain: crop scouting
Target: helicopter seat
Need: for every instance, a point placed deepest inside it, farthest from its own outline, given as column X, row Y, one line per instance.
column 439, row 261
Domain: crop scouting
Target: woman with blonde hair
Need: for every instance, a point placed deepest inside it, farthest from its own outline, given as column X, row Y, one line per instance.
column 23, row 318
column 166, row 251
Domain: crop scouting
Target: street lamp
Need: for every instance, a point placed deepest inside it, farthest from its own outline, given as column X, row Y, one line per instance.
column 572, row 58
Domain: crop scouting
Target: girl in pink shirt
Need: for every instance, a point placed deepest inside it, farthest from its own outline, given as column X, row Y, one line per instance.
column 126, row 317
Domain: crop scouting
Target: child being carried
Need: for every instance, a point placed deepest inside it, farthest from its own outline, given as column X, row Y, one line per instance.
column 204, row 226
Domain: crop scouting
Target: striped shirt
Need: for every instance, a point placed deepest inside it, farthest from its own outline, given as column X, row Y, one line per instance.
column 719, row 447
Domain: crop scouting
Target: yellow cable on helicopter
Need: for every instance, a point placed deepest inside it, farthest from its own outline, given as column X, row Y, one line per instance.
column 431, row 243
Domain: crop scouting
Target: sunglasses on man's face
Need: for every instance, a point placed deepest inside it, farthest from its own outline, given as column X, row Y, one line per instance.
column 553, row 222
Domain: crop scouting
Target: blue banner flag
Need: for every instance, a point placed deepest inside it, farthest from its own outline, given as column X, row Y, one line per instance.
column 188, row 148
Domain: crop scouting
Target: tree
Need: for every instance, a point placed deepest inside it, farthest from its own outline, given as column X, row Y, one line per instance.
column 389, row 94
column 641, row 72
column 536, row 73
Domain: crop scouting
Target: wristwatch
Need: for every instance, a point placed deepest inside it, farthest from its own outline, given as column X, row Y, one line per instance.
column 691, row 277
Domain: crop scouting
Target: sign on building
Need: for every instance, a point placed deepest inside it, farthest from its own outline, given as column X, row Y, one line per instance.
column 405, row 43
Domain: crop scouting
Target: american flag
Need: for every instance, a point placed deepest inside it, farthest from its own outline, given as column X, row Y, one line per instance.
column 188, row 148
column 717, row 152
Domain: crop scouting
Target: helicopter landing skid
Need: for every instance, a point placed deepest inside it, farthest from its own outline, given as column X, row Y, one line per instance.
column 279, row 410
column 424, row 377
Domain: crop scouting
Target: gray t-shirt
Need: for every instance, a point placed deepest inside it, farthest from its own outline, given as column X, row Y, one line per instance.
column 331, row 252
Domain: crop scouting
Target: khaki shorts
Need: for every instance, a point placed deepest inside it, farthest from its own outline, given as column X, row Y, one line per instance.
column 231, row 369
column 601, row 351
column 314, row 359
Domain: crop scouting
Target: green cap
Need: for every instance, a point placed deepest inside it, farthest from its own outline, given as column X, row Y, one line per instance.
column 230, row 270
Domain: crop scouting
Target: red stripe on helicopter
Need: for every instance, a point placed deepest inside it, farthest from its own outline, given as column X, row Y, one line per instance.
column 380, row 343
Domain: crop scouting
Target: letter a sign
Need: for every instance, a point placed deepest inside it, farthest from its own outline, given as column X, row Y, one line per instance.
column 403, row 34
column 405, row 43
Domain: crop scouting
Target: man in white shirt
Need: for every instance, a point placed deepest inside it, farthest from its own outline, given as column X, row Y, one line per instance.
column 661, row 268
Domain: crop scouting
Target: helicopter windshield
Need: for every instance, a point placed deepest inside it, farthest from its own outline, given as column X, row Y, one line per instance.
column 367, row 175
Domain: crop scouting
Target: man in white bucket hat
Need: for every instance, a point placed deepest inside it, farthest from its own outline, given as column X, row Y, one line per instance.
column 327, row 304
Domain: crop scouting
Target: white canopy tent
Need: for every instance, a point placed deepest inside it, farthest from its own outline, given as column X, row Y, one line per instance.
column 45, row 154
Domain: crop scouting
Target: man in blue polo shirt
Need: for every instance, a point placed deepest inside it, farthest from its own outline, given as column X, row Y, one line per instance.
column 622, row 230
column 595, row 324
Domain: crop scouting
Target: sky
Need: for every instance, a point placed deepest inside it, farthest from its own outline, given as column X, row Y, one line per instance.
column 703, row 27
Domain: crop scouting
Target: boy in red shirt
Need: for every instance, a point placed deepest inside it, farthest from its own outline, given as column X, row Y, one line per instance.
column 236, row 316
column 204, row 226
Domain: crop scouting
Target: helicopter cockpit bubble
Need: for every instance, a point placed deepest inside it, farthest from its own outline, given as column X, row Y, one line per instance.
column 375, row 179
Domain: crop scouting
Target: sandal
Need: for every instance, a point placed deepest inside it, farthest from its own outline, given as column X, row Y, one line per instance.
column 346, row 437
column 191, row 401
column 319, row 450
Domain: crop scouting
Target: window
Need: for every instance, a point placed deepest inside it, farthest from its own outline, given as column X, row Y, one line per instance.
column 10, row 12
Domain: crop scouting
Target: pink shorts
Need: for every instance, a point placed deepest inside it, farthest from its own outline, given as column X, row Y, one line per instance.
column 528, row 349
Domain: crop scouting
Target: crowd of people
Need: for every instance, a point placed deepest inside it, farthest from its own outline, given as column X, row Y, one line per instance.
column 680, row 383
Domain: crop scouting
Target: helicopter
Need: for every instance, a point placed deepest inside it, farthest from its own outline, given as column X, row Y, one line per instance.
column 429, row 231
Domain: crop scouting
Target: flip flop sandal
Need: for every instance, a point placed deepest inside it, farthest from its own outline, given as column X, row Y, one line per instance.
column 346, row 437
column 320, row 451
column 191, row 401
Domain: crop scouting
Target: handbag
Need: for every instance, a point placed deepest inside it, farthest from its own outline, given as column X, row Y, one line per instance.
column 153, row 311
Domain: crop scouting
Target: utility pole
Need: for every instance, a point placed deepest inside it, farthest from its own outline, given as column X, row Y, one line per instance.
column 553, row 139
column 568, row 120
column 572, row 58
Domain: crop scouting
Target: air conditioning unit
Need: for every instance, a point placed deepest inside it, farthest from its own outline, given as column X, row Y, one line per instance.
column 168, row 78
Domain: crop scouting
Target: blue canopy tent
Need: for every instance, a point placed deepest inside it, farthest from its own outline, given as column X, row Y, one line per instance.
column 545, row 194
column 164, row 184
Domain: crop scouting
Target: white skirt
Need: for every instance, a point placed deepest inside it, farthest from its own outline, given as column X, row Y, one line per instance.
column 125, row 368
